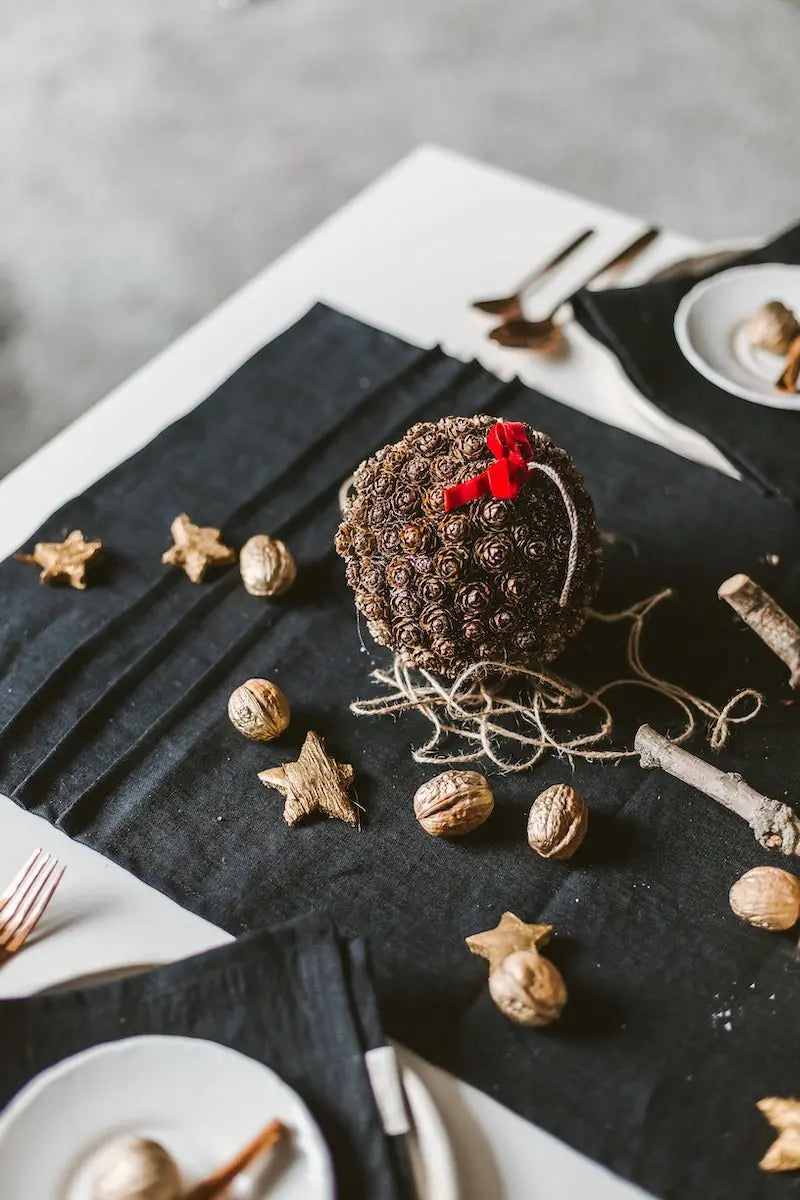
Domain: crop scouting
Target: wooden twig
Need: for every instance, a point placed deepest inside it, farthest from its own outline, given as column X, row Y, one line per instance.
column 774, row 824
column 766, row 618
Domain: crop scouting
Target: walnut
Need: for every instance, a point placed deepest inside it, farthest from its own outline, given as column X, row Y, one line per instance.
column 267, row 567
column 528, row 988
column 557, row 822
column 767, row 897
column 133, row 1168
column 773, row 327
column 453, row 803
column 259, row 710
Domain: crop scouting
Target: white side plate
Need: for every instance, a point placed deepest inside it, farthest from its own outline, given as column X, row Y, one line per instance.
column 202, row 1101
column 710, row 328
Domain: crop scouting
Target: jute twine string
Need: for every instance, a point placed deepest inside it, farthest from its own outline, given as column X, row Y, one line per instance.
column 572, row 516
column 484, row 717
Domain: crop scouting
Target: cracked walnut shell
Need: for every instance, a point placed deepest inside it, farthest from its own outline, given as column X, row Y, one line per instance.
column 557, row 822
column 267, row 568
column 767, row 897
column 453, row 803
column 259, row 710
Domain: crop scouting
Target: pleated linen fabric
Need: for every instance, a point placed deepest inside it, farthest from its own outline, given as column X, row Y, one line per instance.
column 297, row 998
column 114, row 727
column 636, row 324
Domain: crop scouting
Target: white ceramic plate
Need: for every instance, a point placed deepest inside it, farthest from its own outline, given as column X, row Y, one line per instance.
column 202, row 1101
column 710, row 327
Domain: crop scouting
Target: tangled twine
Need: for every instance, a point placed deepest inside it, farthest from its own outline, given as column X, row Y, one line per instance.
column 485, row 715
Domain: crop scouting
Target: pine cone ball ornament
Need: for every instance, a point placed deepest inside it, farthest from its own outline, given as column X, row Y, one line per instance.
column 498, row 580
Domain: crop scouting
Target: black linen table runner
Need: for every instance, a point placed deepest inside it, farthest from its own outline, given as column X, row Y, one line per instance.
column 296, row 998
column 114, row 726
column 636, row 324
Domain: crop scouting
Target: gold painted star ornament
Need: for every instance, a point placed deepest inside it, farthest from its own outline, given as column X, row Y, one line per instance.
column 783, row 1115
column 64, row 560
column 196, row 548
column 510, row 935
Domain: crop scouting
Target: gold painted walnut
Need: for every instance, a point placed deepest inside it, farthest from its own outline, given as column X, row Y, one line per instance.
column 453, row 803
column 267, row 568
column 259, row 710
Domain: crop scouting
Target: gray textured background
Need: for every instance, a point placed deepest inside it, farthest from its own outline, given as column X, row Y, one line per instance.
column 157, row 153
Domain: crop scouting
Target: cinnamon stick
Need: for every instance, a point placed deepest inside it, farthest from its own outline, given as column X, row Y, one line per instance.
column 766, row 618
column 216, row 1185
column 787, row 380
column 774, row 824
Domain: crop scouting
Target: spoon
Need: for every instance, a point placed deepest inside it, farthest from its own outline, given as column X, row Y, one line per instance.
column 510, row 307
column 216, row 1185
column 544, row 334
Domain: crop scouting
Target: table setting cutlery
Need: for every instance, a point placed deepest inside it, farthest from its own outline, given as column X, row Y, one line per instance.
column 510, row 307
column 24, row 901
column 545, row 334
column 705, row 262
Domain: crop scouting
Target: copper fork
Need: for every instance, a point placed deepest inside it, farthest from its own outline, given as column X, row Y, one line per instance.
column 26, row 898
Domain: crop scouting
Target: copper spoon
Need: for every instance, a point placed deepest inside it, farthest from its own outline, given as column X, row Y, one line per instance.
column 216, row 1185
column 545, row 335
column 509, row 307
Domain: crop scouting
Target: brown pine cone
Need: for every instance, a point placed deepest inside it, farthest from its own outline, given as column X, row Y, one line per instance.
column 481, row 583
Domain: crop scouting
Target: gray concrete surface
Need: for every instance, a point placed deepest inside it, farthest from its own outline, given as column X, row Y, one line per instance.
column 156, row 153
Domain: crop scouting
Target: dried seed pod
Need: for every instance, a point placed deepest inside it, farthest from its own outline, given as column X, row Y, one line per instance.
column 557, row 822
column 528, row 988
column 773, row 327
column 267, row 567
column 767, row 897
column 453, row 803
column 259, row 710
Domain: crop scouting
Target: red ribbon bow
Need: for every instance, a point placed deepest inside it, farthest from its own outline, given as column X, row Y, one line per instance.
column 509, row 444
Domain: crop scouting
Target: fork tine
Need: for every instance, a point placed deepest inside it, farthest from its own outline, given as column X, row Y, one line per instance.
column 18, row 878
column 25, row 900
column 34, row 914
column 30, row 884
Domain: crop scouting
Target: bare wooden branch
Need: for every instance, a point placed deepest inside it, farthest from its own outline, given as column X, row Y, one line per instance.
column 766, row 618
column 774, row 824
